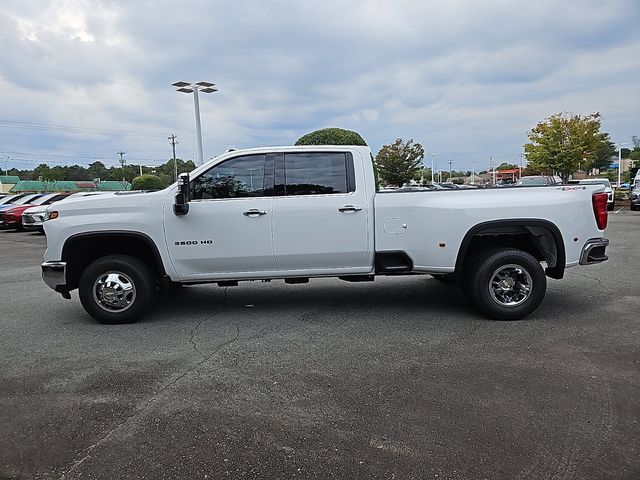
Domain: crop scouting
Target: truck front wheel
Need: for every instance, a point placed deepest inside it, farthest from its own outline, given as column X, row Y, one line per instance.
column 506, row 284
column 116, row 289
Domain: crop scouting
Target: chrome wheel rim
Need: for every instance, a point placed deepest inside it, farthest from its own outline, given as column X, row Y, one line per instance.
column 114, row 292
column 510, row 285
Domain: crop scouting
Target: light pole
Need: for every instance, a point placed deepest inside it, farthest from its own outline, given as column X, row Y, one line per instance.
column 204, row 87
column 432, row 155
column 473, row 171
column 450, row 163
column 620, row 161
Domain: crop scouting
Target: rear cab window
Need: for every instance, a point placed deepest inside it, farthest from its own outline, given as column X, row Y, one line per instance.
column 315, row 173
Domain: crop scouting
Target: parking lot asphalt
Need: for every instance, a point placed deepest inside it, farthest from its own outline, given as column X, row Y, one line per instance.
column 399, row 378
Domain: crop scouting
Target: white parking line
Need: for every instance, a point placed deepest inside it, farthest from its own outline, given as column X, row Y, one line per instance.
column 619, row 210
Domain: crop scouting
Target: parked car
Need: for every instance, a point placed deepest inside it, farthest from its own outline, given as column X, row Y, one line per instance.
column 33, row 217
column 9, row 199
column 11, row 218
column 635, row 197
column 536, row 181
column 20, row 200
column 611, row 201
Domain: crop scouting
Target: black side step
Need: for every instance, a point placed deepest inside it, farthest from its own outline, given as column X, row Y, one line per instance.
column 358, row 278
column 296, row 280
column 393, row 263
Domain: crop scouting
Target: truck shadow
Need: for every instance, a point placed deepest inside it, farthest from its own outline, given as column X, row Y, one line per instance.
column 415, row 295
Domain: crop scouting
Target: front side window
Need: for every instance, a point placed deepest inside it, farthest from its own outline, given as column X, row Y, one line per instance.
column 235, row 178
column 318, row 173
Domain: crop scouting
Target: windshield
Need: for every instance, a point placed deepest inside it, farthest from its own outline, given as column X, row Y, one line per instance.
column 10, row 199
column 606, row 183
column 47, row 199
column 532, row 181
column 27, row 199
column 40, row 201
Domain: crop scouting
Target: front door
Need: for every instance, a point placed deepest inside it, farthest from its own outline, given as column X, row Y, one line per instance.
column 227, row 232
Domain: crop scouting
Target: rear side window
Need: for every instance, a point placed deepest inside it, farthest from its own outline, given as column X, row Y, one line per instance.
column 318, row 173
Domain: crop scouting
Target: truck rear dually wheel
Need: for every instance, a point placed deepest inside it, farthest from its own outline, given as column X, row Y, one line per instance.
column 506, row 284
column 116, row 289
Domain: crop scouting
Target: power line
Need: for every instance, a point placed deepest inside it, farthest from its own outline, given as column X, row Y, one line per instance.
column 51, row 127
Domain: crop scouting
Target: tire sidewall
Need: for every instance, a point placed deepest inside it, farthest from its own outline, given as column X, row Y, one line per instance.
column 485, row 270
column 140, row 276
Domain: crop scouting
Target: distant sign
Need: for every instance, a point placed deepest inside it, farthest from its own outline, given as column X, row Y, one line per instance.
column 85, row 185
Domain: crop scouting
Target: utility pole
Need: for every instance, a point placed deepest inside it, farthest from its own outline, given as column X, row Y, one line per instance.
column 493, row 168
column 521, row 155
column 172, row 141
column 450, row 163
column 122, row 162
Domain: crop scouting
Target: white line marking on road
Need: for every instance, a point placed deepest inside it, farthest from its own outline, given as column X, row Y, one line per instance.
column 619, row 210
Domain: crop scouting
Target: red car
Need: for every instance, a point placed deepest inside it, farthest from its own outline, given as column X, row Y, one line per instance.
column 11, row 218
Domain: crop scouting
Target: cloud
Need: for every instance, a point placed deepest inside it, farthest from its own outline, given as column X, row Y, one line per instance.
column 467, row 79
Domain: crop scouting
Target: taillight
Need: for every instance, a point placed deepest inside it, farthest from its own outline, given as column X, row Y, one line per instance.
column 599, row 201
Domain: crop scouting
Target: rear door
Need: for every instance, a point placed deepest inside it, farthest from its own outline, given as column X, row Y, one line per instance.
column 320, row 212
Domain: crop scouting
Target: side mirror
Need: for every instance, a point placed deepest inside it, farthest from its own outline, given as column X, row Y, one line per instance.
column 181, row 202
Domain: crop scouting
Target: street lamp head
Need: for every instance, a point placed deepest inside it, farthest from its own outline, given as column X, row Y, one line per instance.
column 181, row 84
column 205, row 84
column 208, row 90
column 185, row 90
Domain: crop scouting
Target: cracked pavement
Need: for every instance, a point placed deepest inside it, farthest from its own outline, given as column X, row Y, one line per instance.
column 399, row 378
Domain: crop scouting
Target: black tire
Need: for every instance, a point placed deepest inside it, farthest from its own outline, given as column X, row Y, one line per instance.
column 611, row 207
column 125, row 281
column 518, row 270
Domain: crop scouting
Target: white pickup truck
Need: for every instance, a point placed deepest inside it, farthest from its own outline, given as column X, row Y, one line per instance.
column 296, row 213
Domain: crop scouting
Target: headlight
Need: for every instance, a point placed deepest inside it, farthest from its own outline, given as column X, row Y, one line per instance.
column 50, row 215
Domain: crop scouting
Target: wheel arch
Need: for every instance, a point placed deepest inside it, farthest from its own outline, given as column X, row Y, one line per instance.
column 82, row 249
column 539, row 237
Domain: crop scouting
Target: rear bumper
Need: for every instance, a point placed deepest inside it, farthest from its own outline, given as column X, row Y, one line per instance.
column 593, row 251
column 54, row 274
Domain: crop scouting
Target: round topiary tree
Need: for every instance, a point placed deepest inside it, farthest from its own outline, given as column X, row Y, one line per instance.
column 332, row 136
column 147, row 182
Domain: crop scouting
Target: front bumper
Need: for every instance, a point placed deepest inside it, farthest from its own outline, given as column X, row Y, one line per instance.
column 593, row 251
column 54, row 274
column 7, row 222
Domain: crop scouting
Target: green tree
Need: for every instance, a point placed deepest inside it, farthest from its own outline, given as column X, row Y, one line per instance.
column 48, row 174
column 147, row 182
column 635, row 153
column 505, row 166
column 399, row 162
column 98, row 170
column 605, row 150
column 332, row 136
column 562, row 143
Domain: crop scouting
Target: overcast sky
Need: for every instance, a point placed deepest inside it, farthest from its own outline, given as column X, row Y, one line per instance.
column 82, row 80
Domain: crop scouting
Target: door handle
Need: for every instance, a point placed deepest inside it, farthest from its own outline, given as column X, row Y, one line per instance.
column 349, row 208
column 254, row 212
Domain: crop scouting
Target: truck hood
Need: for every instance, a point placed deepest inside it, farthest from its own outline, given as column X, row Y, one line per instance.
column 117, row 202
